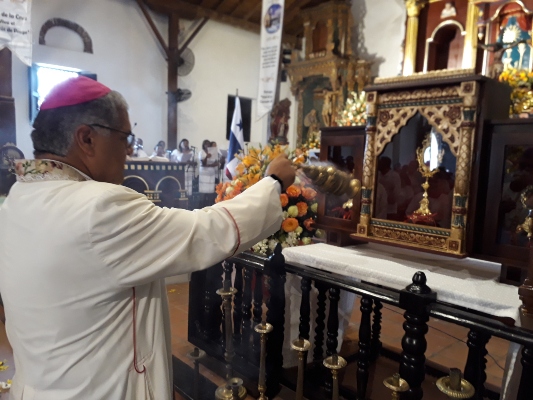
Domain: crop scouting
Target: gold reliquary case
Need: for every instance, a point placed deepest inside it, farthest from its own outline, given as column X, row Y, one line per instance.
column 421, row 136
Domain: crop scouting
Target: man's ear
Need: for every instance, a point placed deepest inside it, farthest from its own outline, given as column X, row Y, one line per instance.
column 84, row 138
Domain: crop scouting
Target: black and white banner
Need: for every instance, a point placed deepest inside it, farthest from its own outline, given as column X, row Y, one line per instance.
column 271, row 31
column 15, row 28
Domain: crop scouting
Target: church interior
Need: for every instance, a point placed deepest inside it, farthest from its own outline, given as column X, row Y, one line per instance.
column 404, row 264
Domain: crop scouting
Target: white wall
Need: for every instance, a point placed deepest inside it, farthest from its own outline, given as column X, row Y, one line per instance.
column 227, row 59
column 128, row 58
column 378, row 34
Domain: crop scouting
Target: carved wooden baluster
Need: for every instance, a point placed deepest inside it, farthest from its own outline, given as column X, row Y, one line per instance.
column 376, row 330
column 333, row 331
column 525, row 390
column 275, row 268
column 475, row 363
column 318, row 354
column 226, row 284
column 305, row 309
column 247, row 311
column 237, row 308
column 258, row 315
column 414, row 299
column 364, row 354
column 212, row 304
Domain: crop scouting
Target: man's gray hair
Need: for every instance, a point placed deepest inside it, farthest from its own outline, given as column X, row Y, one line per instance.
column 53, row 129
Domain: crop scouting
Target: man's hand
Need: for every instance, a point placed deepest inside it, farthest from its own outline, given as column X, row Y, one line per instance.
column 282, row 168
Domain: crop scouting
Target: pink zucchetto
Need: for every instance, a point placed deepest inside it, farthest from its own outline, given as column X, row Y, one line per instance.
column 74, row 91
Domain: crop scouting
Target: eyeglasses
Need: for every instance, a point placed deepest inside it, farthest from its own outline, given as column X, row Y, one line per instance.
column 129, row 135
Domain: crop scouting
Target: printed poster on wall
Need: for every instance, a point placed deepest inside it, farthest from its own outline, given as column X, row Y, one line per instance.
column 271, row 31
column 15, row 28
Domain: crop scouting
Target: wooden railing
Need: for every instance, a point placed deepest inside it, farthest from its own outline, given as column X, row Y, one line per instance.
column 260, row 282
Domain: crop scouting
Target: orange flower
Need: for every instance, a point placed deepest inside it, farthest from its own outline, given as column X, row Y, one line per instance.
column 289, row 224
column 302, row 208
column 308, row 223
column 293, row 191
column 284, row 199
column 309, row 193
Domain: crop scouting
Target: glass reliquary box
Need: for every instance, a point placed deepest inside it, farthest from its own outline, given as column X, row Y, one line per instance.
column 420, row 175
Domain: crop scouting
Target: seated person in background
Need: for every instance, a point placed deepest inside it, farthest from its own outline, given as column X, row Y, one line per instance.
column 208, row 167
column 183, row 153
column 138, row 151
column 159, row 153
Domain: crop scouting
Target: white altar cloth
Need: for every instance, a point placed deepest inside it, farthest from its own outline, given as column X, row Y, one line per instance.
column 466, row 282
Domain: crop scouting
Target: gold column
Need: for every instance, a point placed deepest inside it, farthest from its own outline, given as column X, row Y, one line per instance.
column 413, row 11
column 470, row 47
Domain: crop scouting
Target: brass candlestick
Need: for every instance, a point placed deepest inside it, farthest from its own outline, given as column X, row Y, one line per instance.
column 225, row 392
column 331, row 180
column 397, row 385
column 195, row 356
column 301, row 346
column 454, row 386
column 264, row 329
column 334, row 363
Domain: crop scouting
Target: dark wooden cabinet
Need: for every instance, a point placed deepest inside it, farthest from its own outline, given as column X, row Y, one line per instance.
column 344, row 148
column 506, row 170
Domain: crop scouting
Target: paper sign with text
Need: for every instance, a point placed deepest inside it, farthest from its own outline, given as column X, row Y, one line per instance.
column 15, row 28
column 271, row 31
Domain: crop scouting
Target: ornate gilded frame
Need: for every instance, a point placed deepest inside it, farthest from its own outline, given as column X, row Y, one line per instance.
column 451, row 110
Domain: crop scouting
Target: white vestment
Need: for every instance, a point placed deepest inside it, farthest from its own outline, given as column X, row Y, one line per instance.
column 81, row 260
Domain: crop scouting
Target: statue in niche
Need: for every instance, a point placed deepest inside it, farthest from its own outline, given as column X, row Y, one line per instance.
column 327, row 109
column 312, row 124
column 448, row 10
column 279, row 122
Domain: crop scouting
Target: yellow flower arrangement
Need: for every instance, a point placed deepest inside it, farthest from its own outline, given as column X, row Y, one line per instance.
column 521, row 82
column 298, row 202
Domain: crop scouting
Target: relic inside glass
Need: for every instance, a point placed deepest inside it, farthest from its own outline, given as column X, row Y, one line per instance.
column 415, row 176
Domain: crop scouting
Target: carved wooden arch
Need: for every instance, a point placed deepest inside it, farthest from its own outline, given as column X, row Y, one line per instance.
column 65, row 23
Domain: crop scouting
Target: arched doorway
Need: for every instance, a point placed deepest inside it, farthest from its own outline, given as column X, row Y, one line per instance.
column 444, row 49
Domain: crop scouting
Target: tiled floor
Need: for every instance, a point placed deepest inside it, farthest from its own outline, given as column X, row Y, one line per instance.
column 445, row 342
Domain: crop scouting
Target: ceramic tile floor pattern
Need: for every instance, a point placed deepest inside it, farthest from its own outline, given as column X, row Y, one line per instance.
column 446, row 342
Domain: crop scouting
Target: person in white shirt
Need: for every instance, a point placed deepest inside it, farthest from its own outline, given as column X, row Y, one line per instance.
column 83, row 259
column 208, row 158
column 185, row 155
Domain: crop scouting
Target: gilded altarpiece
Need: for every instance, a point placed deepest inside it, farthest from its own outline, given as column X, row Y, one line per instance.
column 324, row 71
column 402, row 114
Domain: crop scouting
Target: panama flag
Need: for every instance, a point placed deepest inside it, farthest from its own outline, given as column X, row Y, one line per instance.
column 236, row 140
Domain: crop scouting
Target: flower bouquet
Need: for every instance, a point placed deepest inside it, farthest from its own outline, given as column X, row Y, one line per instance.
column 298, row 202
column 354, row 112
column 521, row 96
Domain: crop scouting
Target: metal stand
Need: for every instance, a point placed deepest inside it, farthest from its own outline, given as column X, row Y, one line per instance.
column 232, row 385
column 397, row 385
column 195, row 356
column 454, row 386
column 334, row 363
column 301, row 346
column 264, row 329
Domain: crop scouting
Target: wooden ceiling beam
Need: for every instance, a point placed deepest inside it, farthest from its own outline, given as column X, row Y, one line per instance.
column 192, row 11
column 295, row 8
column 253, row 11
column 228, row 6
